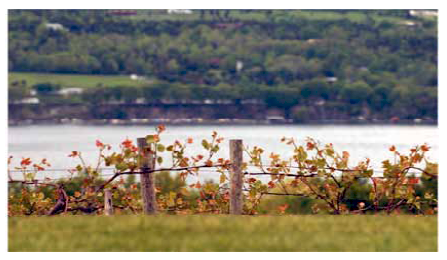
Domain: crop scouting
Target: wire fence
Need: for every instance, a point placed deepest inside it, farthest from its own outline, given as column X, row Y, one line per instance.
column 17, row 175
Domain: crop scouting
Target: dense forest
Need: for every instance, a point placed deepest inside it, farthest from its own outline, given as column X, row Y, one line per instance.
column 380, row 63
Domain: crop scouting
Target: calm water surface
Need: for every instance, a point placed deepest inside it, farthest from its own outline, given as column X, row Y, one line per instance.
column 55, row 142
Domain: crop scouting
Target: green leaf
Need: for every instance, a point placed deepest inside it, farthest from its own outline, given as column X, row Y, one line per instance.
column 367, row 173
column 215, row 148
column 160, row 160
column 222, row 178
column 417, row 205
column 302, row 155
column 329, row 152
column 205, row 144
column 253, row 193
column 150, row 139
column 160, row 148
column 321, row 162
column 184, row 192
column 171, row 199
column 121, row 166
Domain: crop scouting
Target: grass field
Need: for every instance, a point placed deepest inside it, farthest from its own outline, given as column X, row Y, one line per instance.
column 223, row 233
column 74, row 80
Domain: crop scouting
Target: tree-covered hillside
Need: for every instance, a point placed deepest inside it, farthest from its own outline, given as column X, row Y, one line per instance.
column 371, row 62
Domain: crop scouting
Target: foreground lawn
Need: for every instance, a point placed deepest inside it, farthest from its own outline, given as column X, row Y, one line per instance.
column 223, row 233
column 74, row 80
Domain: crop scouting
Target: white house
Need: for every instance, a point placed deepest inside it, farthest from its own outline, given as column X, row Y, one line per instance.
column 179, row 11
column 423, row 13
column 408, row 23
column 30, row 100
column 136, row 77
column 69, row 91
column 331, row 79
column 55, row 26
column 239, row 65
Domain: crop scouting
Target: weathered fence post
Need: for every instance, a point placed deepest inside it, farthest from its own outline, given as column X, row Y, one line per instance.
column 108, row 206
column 237, row 177
column 147, row 163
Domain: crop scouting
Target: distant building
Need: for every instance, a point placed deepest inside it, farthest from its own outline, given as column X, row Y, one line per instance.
column 136, row 77
column 239, row 65
column 313, row 41
column 408, row 23
column 70, row 91
column 252, row 101
column 276, row 119
column 224, row 101
column 320, row 102
column 423, row 13
column 275, row 114
column 179, row 11
column 30, row 100
column 140, row 101
column 55, row 27
column 331, row 79
column 122, row 12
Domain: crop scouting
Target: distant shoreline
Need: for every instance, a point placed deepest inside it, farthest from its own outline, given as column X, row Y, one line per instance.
column 199, row 121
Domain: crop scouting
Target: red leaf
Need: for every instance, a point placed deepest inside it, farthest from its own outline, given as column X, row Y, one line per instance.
column 99, row 144
column 127, row 143
column 25, row 161
column 413, row 180
column 425, row 148
column 251, row 180
column 310, row 146
column 282, row 208
column 38, row 167
column 161, row 128
column 73, row 154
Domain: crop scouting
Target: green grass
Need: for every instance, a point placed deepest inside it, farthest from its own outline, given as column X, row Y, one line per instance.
column 74, row 80
column 223, row 233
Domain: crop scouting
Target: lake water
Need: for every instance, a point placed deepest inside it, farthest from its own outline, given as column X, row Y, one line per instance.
column 55, row 142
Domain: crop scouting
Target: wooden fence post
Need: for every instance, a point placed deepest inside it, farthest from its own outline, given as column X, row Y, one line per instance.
column 237, row 177
column 147, row 163
column 108, row 206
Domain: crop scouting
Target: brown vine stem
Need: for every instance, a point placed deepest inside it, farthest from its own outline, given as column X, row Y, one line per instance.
column 32, row 182
column 320, row 196
column 282, row 174
column 419, row 169
column 283, row 194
